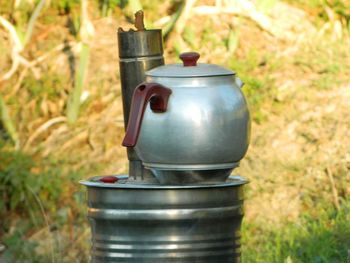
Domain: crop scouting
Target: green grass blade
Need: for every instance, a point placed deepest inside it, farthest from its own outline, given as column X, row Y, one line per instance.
column 233, row 40
column 8, row 123
column 32, row 20
column 105, row 7
column 74, row 98
column 173, row 19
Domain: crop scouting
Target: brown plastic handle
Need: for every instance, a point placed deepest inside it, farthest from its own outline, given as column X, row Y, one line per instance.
column 158, row 96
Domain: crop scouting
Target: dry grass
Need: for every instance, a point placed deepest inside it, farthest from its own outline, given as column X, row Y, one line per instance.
column 297, row 83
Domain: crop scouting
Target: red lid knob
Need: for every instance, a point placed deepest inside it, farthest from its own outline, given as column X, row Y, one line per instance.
column 189, row 59
column 109, row 179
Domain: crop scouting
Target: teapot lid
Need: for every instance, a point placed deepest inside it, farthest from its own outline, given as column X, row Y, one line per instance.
column 189, row 68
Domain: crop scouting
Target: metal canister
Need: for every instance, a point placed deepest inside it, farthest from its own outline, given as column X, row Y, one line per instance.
column 159, row 223
column 139, row 51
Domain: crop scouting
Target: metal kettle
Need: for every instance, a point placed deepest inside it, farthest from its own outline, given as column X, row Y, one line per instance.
column 197, row 125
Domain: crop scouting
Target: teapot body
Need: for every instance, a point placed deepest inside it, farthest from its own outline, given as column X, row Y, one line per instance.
column 206, row 125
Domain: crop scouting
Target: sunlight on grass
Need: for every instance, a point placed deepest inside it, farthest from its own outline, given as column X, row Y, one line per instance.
column 325, row 238
column 294, row 59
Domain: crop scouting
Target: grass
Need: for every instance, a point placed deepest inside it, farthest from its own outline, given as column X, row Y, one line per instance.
column 320, row 9
column 41, row 202
column 7, row 122
column 74, row 101
column 32, row 21
column 37, row 195
column 258, row 88
column 328, row 60
column 321, row 238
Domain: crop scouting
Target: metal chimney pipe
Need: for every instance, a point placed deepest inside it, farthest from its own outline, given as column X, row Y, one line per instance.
column 139, row 51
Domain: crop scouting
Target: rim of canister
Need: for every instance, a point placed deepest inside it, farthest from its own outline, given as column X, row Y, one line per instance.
column 233, row 180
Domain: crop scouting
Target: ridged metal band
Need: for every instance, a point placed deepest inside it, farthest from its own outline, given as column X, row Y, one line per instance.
column 140, row 43
column 164, row 214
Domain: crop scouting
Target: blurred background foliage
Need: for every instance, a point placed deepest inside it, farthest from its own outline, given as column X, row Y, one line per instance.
column 61, row 117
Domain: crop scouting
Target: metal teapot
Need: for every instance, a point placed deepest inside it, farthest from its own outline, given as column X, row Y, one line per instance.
column 197, row 125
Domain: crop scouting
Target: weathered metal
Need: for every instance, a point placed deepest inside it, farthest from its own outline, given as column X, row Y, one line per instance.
column 205, row 127
column 139, row 51
column 192, row 135
column 140, row 222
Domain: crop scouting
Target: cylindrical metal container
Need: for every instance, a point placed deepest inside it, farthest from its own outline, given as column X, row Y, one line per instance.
column 139, row 51
column 158, row 223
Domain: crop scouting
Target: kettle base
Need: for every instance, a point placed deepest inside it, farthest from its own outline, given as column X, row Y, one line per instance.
column 174, row 177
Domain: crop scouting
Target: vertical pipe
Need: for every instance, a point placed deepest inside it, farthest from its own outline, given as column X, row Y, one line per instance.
column 139, row 51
